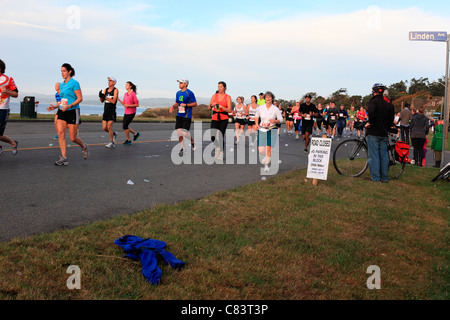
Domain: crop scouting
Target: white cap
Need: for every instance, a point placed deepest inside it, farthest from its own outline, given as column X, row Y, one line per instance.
column 183, row 81
column 113, row 79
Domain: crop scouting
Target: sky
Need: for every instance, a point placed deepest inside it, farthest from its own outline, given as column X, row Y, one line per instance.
column 288, row 47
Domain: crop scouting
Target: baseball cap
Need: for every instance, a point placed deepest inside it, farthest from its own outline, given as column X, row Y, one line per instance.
column 183, row 81
column 112, row 78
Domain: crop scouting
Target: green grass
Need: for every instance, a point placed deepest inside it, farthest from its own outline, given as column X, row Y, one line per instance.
column 280, row 239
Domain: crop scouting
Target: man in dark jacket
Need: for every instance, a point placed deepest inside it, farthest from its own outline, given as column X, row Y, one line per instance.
column 381, row 118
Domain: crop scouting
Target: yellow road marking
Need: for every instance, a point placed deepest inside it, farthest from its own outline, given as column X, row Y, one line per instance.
column 89, row 145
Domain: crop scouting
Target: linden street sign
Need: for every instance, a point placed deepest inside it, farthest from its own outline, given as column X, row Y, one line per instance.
column 428, row 36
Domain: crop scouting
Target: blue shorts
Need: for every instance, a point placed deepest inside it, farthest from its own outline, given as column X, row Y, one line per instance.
column 4, row 116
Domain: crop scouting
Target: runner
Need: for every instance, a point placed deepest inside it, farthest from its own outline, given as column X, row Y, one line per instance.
column 251, row 119
column 58, row 101
column 130, row 102
column 297, row 119
column 261, row 100
column 276, row 104
column 308, row 111
column 69, row 114
column 109, row 97
column 342, row 120
column 241, row 112
column 361, row 119
column 332, row 118
column 289, row 119
column 221, row 106
column 326, row 123
column 319, row 119
column 270, row 116
column 8, row 89
column 184, row 101
column 351, row 119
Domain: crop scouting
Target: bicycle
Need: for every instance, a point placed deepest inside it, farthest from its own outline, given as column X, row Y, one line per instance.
column 443, row 174
column 351, row 158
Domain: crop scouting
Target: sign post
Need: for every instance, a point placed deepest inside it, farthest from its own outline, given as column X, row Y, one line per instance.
column 438, row 36
column 319, row 158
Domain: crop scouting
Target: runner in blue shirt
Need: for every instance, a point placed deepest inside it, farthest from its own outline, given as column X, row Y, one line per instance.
column 185, row 101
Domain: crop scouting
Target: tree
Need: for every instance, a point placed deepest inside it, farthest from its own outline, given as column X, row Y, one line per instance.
column 417, row 85
column 396, row 90
column 437, row 88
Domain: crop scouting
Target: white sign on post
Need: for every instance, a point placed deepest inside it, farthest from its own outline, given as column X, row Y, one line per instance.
column 319, row 158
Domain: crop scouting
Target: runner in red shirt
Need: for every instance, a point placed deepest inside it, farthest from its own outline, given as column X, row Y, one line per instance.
column 8, row 89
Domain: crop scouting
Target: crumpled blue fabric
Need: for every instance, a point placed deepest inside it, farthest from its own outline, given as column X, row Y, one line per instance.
column 148, row 251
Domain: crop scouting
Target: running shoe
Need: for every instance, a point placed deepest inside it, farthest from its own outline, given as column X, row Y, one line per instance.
column 114, row 137
column 1, row 149
column 56, row 137
column 266, row 168
column 305, row 151
column 193, row 146
column 14, row 150
column 127, row 143
column 297, row 137
column 180, row 153
column 110, row 145
column 62, row 162
column 136, row 136
column 85, row 151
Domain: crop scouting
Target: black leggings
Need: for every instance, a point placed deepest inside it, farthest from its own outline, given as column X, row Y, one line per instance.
column 222, row 127
column 418, row 144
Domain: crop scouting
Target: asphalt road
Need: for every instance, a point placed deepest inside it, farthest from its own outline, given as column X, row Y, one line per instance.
column 39, row 197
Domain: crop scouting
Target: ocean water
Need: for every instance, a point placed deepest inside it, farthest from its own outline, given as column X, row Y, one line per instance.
column 85, row 109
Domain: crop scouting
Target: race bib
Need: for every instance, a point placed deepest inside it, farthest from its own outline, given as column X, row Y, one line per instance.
column 63, row 103
column 341, row 115
column 308, row 117
column 181, row 109
column 333, row 118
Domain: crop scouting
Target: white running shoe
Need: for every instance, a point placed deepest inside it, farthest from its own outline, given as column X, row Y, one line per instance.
column 111, row 145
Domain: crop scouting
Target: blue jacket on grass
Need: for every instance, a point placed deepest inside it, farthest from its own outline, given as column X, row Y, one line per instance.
column 148, row 250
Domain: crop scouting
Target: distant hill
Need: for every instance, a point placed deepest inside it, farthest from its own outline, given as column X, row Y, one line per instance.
column 94, row 100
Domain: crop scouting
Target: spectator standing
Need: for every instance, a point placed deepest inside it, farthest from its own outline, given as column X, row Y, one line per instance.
column 420, row 125
column 405, row 119
column 381, row 118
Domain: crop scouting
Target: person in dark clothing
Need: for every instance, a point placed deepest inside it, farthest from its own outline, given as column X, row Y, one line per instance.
column 420, row 125
column 332, row 118
column 308, row 111
column 381, row 118
column 342, row 120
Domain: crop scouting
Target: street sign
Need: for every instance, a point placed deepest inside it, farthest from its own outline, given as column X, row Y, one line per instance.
column 428, row 36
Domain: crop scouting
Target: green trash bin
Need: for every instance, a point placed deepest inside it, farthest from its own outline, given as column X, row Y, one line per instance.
column 27, row 108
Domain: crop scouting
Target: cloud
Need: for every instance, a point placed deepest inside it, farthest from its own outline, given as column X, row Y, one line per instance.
column 291, row 55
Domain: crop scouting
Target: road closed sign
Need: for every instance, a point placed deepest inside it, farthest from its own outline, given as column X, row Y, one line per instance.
column 319, row 158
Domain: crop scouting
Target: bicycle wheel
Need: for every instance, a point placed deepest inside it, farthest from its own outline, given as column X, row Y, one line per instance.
column 443, row 174
column 395, row 170
column 351, row 158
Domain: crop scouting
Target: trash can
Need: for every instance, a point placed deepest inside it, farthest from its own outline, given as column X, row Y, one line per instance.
column 27, row 108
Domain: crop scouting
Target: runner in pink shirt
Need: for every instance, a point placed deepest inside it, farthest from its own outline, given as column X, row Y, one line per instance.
column 130, row 102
